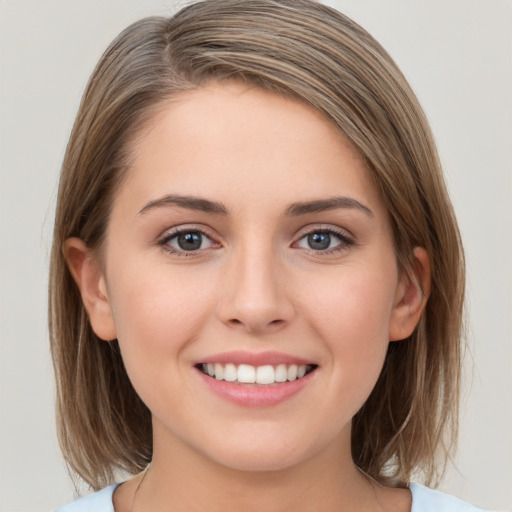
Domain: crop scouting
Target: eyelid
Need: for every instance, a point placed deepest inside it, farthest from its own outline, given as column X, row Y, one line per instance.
column 170, row 233
column 346, row 238
column 326, row 228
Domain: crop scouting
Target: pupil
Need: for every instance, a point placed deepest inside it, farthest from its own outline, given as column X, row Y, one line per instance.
column 189, row 241
column 319, row 241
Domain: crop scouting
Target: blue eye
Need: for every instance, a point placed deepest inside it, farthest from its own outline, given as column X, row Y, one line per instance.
column 324, row 240
column 319, row 241
column 189, row 241
column 186, row 241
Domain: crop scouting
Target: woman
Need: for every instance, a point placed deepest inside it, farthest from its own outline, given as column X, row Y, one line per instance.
column 257, row 276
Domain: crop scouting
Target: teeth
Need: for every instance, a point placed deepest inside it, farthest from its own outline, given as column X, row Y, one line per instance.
column 292, row 372
column 281, row 373
column 248, row 374
column 301, row 371
column 265, row 375
column 230, row 373
column 219, row 372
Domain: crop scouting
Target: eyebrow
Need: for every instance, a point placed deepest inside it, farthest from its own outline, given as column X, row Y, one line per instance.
column 293, row 210
column 321, row 205
column 189, row 202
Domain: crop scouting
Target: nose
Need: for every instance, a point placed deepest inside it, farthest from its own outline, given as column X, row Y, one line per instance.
column 255, row 294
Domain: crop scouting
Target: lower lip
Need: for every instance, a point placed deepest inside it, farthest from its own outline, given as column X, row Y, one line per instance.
column 254, row 395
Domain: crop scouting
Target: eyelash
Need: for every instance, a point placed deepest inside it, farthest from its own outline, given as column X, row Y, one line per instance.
column 168, row 237
column 345, row 241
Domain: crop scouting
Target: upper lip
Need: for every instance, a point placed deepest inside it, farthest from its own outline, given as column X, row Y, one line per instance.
column 238, row 357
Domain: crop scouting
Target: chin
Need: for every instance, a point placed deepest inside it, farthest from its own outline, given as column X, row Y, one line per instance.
column 258, row 463
column 262, row 455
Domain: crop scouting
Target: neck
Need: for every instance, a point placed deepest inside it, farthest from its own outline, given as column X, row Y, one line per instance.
column 181, row 479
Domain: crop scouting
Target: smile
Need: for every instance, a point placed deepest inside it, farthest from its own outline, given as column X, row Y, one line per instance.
column 261, row 375
column 249, row 379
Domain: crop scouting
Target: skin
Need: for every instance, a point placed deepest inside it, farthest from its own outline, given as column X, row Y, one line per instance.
column 256, row 284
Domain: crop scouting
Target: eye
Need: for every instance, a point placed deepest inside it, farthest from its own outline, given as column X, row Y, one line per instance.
column 186, row 241
column 324, row 240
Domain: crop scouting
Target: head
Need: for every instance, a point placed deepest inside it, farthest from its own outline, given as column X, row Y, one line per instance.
column 309, row 53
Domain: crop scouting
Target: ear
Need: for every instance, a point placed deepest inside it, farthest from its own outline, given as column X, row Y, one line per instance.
column 411, row 297
column 86, row 271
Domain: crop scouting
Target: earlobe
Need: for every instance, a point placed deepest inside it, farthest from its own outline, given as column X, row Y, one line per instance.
column 411, row 297
column 88, row 276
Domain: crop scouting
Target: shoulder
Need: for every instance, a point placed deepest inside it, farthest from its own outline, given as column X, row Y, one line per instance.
column 429, row 500
column 100, row 501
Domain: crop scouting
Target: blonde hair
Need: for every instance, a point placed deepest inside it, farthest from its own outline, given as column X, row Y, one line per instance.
column 309, row 51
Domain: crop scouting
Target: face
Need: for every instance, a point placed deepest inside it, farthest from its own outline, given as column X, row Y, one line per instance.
column 250, row 277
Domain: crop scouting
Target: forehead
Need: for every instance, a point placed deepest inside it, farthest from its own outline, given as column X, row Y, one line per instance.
column 223, row 138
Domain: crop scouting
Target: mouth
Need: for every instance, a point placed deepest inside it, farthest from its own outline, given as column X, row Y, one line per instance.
column 246, row 374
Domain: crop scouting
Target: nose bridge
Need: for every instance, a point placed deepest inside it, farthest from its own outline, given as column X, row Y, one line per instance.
column 255, row 298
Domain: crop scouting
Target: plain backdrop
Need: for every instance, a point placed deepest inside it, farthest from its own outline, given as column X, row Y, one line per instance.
column 457, row 55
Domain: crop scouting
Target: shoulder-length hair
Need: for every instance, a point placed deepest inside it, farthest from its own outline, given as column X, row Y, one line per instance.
column 311, row 52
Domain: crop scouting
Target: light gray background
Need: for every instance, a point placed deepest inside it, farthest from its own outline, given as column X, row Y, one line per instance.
column 457, row 56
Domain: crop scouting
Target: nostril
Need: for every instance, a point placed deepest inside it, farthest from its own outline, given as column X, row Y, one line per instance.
column 235, row 322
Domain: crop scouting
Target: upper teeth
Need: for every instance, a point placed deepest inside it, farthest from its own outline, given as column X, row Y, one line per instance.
column 249, row 374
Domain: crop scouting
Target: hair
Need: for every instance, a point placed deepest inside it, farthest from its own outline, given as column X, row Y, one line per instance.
column 300, row 49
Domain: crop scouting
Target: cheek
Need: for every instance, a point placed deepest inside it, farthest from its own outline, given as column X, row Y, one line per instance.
column 157, row 313
column 352, row 305
column 352, row 319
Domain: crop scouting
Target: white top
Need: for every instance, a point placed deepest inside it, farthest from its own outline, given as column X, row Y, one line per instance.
column 423, row 500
